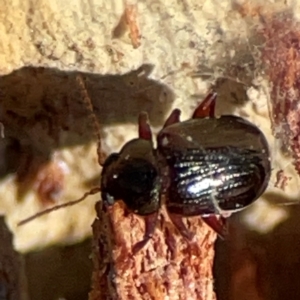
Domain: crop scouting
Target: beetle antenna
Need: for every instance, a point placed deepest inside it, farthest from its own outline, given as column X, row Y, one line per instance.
column 92, row 116
column 57, row 207
column 101, row 157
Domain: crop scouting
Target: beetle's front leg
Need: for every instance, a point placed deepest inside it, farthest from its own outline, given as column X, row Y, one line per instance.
column 150, row 224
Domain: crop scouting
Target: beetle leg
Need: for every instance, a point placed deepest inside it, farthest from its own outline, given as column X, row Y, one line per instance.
column 217, row 224
column 173, row 118
column 150, row 224
column 207, row 107
column 144, row 127
column 178, row 223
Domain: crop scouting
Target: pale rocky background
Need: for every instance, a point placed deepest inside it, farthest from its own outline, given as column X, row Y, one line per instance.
column 182, row 48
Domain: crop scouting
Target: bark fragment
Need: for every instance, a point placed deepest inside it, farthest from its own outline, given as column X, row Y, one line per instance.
column 166, row 268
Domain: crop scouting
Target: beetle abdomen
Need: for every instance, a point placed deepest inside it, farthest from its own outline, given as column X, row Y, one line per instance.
column 215, row 179
column 215, row 164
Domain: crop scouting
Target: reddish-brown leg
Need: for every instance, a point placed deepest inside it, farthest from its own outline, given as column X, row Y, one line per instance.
column 177, row 220
column 207, row 107
column 144, row 127
column 150, row 224
column 150, row 220
column 218, row 224
column 173, row 118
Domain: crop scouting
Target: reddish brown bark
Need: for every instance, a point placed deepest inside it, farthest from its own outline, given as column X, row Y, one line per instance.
column 166, row 268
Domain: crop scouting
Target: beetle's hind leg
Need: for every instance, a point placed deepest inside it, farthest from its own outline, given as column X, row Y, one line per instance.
column 218, row 224
column 177, row 220
column 150, row 224
column 173, row 118
column 207, row 107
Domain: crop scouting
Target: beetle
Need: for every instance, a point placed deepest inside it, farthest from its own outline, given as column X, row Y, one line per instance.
column 206, row 166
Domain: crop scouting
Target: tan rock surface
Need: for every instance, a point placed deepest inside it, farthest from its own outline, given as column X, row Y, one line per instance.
column 144, row 66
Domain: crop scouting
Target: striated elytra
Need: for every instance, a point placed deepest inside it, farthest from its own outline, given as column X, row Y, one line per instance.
column 204, row 166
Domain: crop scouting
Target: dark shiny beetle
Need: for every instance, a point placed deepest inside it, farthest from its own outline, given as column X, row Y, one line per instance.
column 205, row 166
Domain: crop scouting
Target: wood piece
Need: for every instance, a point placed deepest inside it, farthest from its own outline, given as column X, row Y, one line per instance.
column 166, row 268
column 131, row 20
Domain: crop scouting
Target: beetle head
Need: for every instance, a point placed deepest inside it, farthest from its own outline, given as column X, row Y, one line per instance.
column 132, row 176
